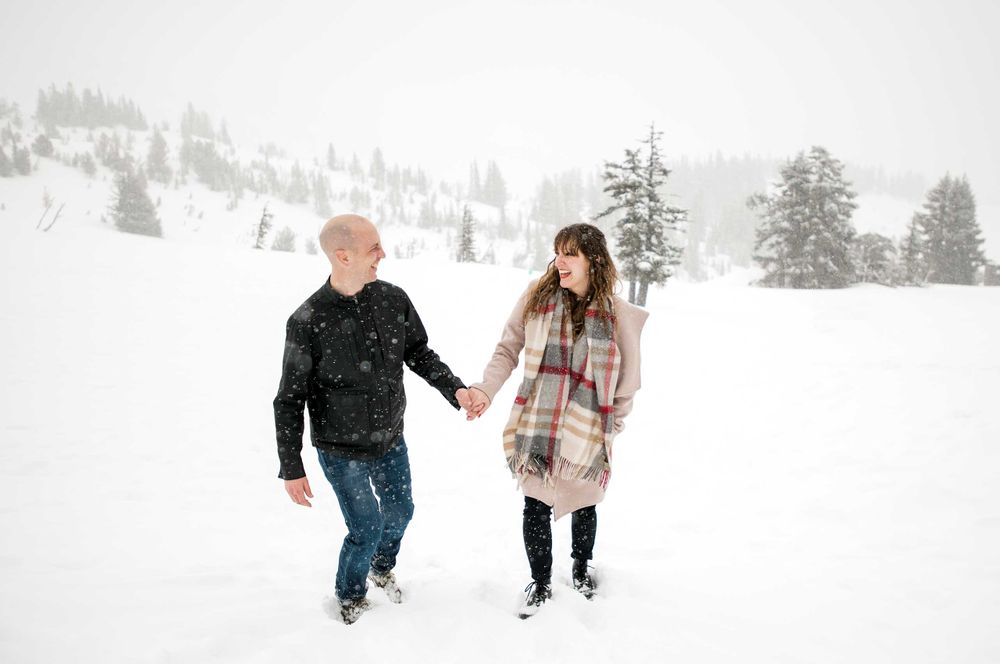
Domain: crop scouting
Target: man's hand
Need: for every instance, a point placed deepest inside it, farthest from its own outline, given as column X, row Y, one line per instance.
column 298, row 490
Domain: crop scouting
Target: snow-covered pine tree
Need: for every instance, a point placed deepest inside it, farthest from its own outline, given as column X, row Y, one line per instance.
column 467, row 238
column 952, row 235
column 131, row 208
column 874, row 259
column 805, row 234
column 297, row 190
column 646, row 253
column 6, row 165
column 263, row 227
column 284, row 240
column 42, row 146
column 321, row 195
column 475, row 183
column 331, row 157
column 377, row 170
column 912, row 264
column 156, row 159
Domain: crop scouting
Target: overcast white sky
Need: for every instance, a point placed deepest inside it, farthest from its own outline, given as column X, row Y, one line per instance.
column 542, row 86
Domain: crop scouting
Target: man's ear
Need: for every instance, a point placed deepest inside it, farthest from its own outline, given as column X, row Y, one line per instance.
column 342, row 256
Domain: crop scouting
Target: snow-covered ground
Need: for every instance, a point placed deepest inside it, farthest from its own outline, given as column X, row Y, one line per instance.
column 807, row 476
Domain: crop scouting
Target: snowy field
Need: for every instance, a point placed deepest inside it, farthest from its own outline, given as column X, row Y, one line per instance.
column 807, row 476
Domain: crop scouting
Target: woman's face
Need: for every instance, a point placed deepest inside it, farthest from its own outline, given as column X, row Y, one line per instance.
column 574, row 271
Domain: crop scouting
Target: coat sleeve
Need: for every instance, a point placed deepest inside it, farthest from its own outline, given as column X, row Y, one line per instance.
column 505, row 356
column 425, row 362
column 289, row 404
column 631, row 320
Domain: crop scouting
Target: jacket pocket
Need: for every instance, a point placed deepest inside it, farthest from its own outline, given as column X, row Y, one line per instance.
column 345, row 419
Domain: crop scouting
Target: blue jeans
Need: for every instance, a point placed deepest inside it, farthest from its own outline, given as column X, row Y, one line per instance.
column 374, row 527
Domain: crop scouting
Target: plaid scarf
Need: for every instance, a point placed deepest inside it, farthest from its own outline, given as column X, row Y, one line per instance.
column 562, row 416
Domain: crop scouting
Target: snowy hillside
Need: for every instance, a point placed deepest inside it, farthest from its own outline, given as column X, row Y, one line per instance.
column 807, row 476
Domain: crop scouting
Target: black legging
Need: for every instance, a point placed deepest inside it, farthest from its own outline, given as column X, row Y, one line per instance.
column 538, row 536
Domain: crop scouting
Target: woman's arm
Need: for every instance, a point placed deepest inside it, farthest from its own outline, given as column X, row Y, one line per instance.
column 505, row 356
column 630, row 321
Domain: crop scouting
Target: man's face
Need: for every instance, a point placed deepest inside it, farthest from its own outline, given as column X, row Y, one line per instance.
column 366, row 254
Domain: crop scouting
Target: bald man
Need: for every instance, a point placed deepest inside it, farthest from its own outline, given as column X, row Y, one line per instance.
column 345, row 348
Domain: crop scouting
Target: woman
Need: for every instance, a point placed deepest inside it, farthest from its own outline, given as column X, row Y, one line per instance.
column 581, row 372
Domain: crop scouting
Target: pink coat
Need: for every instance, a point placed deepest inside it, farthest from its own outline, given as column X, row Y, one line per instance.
column 566, row 496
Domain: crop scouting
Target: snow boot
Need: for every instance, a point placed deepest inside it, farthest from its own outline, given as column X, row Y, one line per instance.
column 351, row 609
column 387, row 582
column 583, row 582
column 537, row 593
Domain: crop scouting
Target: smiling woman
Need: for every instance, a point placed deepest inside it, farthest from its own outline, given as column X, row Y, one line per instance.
column 581, row 347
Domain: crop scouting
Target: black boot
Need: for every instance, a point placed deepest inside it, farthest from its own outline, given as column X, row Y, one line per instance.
column 583, row 582
column 538, row 592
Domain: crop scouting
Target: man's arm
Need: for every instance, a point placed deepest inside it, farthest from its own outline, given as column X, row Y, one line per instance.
column 425, row 362
column 289, row 404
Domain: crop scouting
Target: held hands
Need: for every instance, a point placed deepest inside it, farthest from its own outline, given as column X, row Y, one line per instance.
column 474, row 401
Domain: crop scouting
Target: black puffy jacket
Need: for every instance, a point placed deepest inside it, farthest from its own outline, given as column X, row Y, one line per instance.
column 344, row 359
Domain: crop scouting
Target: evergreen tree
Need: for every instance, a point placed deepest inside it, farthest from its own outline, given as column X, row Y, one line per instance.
column 951, row 233
column 131, row 209
column 321, row 195
column 331, row 157
column 874, row 259
column 475, row 184
column 298, row 187
column 263, row 227
column 377, row 170
column 494, row 188
column 355, row 169
column 913, row 264
column 467, row 240
column 156, row 160
column 42, row 146
column 22, row 160
column 6, row 165
column 647, row 253
column 284, row 240
column 805, row 236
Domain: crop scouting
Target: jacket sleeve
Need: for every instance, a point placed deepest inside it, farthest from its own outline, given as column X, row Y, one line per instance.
column 425, row 362
column 289, row 404
column 630, row 323
column 505, row 356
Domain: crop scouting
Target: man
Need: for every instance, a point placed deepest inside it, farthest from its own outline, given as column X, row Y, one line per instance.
column 344, row 353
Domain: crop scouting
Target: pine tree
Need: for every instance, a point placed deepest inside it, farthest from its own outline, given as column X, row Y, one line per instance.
column 467, row 239
column 321, row 195
column 22, row 160
column 952, row 236
column 263, row 227
column 298, row 187
column 331, row 157
column 475, row 184
column 913, row 264
column 377, row 170
column 42, row 146
column 131, row 209
column 646, row 252
column 874, row 259
column 6, row 165
column 805, row 236
column 156, row 159
column 494, row 188
column 284, row 240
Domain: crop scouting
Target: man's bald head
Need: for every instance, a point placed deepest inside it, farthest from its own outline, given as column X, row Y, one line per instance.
column 341, row 232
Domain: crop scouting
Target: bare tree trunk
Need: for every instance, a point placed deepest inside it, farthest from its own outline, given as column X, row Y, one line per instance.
column 42, row 218
column 643, row 289
column 55, row 218
column 631, row 292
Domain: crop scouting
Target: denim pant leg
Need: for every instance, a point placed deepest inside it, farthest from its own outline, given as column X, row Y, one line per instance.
column 350, row 481
column 391, row 479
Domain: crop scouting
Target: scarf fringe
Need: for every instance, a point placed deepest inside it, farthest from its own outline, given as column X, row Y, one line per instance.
column 529, row 464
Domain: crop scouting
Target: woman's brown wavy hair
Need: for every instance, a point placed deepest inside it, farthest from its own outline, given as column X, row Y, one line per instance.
column 572, row 239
